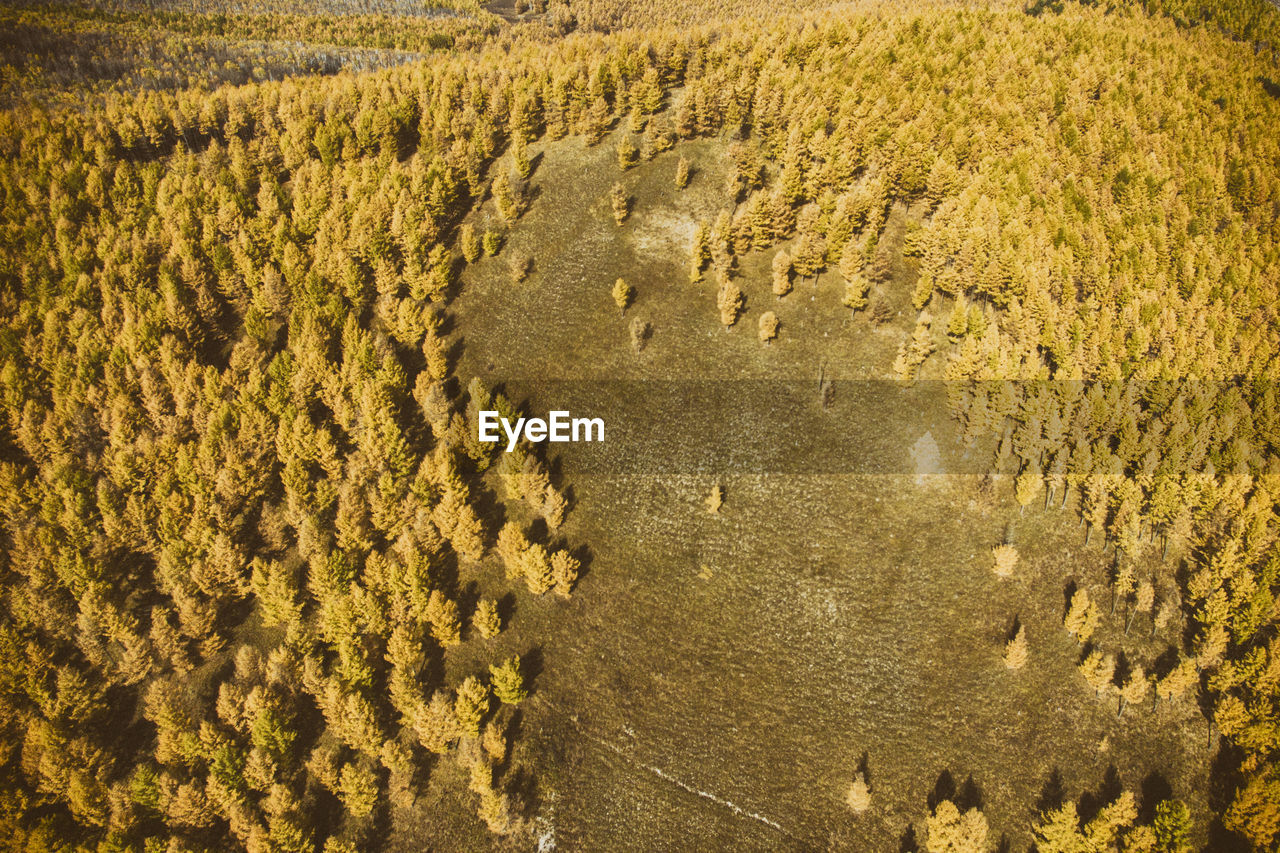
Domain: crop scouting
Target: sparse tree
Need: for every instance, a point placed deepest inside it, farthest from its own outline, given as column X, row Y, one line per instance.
column 715, row 499
column 1082, row 617
column 471, row 705
column 729, row 301
column 1015, row 651
column 622, row 294
column 1134, row 690
column 628, row 154
column 1004, row 560
column 620, row 202
column 768, row 326
column 1098, row 670
column 1143, row 601
column 858, row 797
column 682, row 173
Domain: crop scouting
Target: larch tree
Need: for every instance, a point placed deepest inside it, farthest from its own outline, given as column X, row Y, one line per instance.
column 729, row 301
column 768, row 327
column 715, row 499
column 1082, row 616
column 564, row 572
column 858, row 797
column 781, row 273
column 1004, row 560
column 620, row 203
column 948, row 830
column 486, row 618
column 1134, row 689
column 508, row 683
column 622, row 294
column 1015, row 651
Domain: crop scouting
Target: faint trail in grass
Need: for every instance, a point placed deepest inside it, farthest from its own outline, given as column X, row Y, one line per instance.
column 706, row 795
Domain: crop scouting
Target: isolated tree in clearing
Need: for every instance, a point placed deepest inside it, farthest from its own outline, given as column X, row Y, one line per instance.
column 858, row 797
column 715, row 499
column 1015, row 651
column 768, row 326
column 620, row 202
column 1004, row 559
column 622, row 294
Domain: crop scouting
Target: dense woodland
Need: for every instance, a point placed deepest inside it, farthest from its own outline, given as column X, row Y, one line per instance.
column 243, row 495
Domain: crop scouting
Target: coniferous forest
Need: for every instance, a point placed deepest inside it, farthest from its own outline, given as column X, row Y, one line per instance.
column 938, row 506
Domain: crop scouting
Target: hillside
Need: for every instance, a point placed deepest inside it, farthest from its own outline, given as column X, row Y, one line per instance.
column 934, row 346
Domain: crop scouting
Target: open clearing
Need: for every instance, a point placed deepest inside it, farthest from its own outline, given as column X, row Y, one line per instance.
column 717, row 679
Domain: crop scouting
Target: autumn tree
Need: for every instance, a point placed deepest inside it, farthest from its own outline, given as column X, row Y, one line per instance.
column 622, row 294
column 1015, row 651
column 947, row 830
column 508, row 683
column 620, row 202
column 768, row 327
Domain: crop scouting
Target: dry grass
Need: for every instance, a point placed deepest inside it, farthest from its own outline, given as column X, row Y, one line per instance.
column 717, row 678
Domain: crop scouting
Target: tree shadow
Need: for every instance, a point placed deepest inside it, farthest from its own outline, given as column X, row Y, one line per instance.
column 523, row 787
column 532, row 663
column 1092, row 802
column 432, row 674
column 506, row 608
column 583, row 554
column 1053, row 794
column 511, row 731
column 969, row 796
column 1165, row 663
column 943, row 789
column 1068, row 593
column 1154, row 790
column 909, row 843
column 534, row 162
column 491, row 512
column 468, row 598
column 864, row 767
column 1124, row 668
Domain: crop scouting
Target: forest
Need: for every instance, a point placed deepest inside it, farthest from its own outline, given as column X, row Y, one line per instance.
column 264, row 586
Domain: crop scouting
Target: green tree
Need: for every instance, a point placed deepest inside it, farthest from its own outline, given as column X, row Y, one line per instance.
column 508, row 683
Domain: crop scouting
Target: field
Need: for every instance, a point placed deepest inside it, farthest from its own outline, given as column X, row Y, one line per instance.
column 719, row 678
